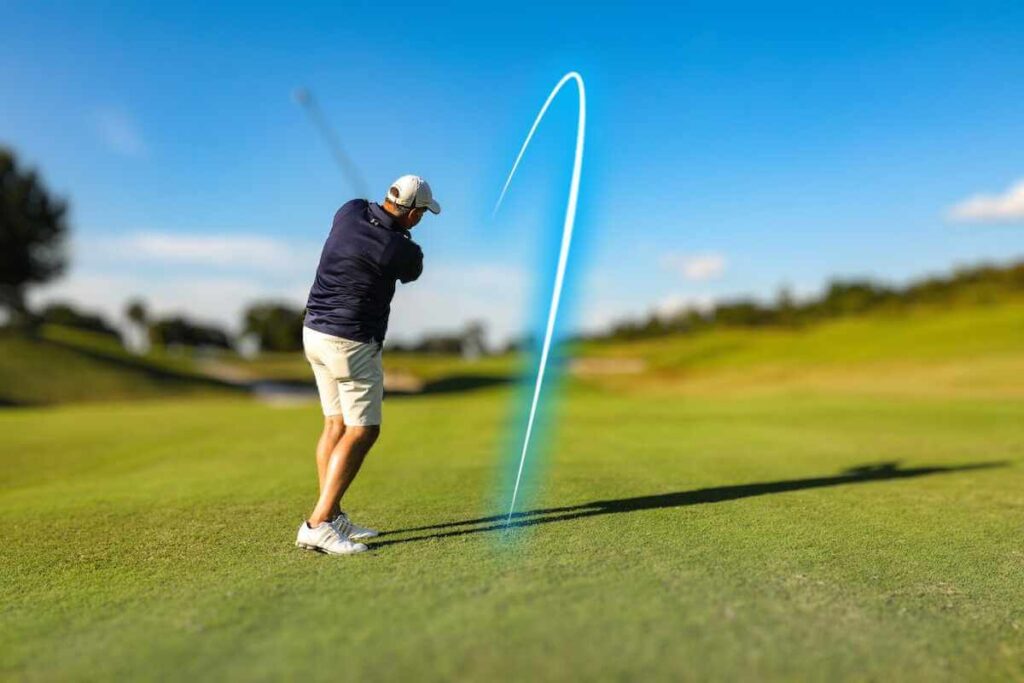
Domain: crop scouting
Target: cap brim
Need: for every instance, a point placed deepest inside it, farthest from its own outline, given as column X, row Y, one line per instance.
column 434, row 206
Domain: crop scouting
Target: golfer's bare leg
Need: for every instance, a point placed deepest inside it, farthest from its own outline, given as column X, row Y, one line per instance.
column 334, row 428
column 345, row 461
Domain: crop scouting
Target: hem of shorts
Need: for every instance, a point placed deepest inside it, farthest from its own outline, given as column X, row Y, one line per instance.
column 334, row 333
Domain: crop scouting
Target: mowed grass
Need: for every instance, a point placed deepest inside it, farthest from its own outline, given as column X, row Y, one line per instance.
column 715, row 540
column 64, row 365
column 968, row 350
column 841, row 502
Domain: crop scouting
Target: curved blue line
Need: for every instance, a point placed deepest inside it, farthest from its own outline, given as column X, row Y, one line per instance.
column 563, row 255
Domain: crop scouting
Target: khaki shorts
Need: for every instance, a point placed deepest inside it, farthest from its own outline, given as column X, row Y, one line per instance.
column 349, row 376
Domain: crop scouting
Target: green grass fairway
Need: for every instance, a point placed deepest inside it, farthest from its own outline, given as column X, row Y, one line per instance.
column 961, row 351
column 683, row 538
column 65, row 365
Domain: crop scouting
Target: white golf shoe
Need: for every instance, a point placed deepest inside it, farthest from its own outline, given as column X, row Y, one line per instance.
column 346, row 528
column 326, row 539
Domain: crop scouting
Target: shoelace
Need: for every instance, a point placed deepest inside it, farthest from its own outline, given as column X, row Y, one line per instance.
column 342, row 526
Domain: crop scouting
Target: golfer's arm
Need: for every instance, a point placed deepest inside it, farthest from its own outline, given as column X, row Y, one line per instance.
column 413, row 266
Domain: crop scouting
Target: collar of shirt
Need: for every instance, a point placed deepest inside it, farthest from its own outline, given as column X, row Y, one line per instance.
column 383, row 217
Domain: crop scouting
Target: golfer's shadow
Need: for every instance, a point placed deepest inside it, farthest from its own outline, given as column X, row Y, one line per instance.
column 857, row 475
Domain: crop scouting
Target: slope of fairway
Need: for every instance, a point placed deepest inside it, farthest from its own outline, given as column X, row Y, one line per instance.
column 66, row 366
column 833, row 537
column 968, row 350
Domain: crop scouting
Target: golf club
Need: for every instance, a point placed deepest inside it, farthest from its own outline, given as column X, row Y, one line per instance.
column 304, row 97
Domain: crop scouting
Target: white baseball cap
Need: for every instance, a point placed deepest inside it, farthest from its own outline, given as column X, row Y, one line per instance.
column 413, row 192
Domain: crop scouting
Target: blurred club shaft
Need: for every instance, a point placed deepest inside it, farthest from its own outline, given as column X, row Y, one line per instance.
column 348, row 168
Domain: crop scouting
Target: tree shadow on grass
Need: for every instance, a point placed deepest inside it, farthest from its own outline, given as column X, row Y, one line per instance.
column 862, row 474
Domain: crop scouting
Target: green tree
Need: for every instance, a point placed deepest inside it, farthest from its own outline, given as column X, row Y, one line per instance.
column 62, row 313
column 786, row 310
column 137, row 338
column 32, row 234
column 277, row 326
column 180, row 331
column 136, row 312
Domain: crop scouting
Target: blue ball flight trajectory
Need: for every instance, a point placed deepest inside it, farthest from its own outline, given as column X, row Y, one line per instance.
column 563, row 255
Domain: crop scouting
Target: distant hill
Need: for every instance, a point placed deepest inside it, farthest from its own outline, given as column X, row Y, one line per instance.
column 971, row 348
column 982, row 284
column 66, row 365
column 960, row 338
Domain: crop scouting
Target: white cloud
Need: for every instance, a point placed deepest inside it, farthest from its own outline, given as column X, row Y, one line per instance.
column 598, row 317
column 119, row 131
column 696, row 267
column 219, row 251
column 1008, row 206
column 675, row 304
column 213, row 277
column 213, row 299
column 447, row 296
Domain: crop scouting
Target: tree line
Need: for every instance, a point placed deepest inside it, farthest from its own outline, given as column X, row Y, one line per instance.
column 977, row 284
column 266, row 327
column 33, row 236
column 33, row 241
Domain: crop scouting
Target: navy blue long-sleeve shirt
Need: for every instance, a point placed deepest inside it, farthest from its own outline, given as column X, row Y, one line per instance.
column 365, row 254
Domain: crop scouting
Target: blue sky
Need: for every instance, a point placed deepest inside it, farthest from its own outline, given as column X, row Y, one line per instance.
column 731, row 148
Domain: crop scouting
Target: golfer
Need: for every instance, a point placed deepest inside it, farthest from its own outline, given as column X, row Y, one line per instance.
column 368, row 250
